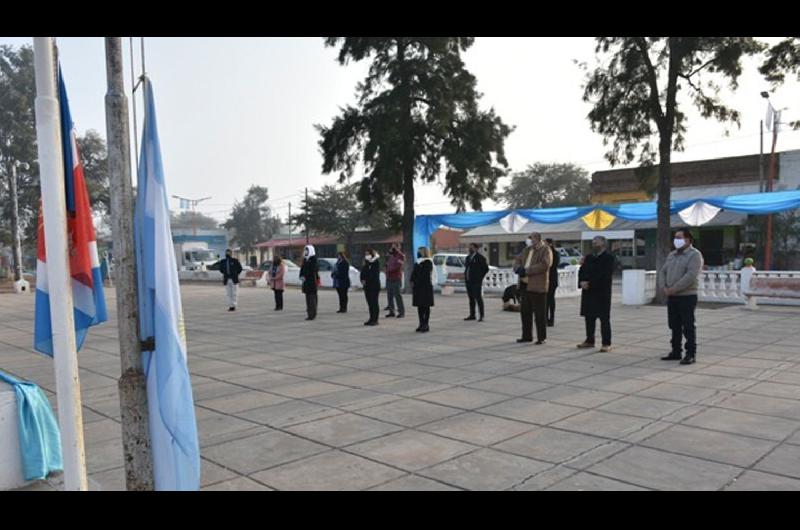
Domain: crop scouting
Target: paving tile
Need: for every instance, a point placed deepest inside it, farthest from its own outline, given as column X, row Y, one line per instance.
column 665, row 471
column 237, row 484
column 551, row 445
column 409, row 412
column 758, row 481
column 413, row 483
column 642, row 406
column 343, row 429
column 464, row 398
column 242, row 401
column 477, row 429
column 747, row 424
column 329, row 471
column 411, row 450
column 726, row 448
column 259, row 452
column 784, row 460
column 486, row 470
column 588, row 482
column 604, row 424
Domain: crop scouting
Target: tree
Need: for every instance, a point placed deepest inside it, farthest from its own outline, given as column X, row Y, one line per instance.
column 782, row 59
column 336, row 211
column 251, row 219
column 18, row 139
column 94, row 156
column 188, row 219
column 417, row 118
column 545, row 185
column 635, row 97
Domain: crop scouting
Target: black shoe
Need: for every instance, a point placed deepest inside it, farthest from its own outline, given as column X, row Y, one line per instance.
column 524, row 340
column 551, row 324
column 390, row 315
column 672, row 357
column 386, row 308
column 372, row 323
column 401, row 315
column 418, row 329
column 310, row 318
column 368, row 323
column 480, row 319
column 689, row 359
column 539, row 342
column 231, row 309
column 425, row 329
column 471, row 317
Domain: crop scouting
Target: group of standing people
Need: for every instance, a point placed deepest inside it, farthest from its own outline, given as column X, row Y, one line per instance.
column 537, row 269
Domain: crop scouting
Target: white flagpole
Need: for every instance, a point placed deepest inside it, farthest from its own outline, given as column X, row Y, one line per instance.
column 54, row 210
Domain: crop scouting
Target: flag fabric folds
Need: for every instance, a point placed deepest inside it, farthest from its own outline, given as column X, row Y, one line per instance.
column 173, row 428
column 88, row 298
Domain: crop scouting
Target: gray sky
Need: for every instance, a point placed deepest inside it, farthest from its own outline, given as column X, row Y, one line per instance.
column 239, row 111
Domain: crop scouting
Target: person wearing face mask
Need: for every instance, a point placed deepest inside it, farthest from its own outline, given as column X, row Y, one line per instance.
column 422, row 280
column 309, row 277
column 475, row 269
column 533, row 268
column 230, row 269
column 553, row 284
column 371, row 281
column 679, row 278
column 595, row 279
column 394, row 281
column 341, row 280
column 276, row 280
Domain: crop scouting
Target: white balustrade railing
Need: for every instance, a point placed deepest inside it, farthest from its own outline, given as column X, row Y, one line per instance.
column 497, row 280
column 639, row 286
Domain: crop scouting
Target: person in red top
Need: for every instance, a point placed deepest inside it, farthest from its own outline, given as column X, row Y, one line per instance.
column 394, row 281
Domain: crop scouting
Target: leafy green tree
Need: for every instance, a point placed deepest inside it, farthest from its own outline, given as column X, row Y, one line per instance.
column 634, row 90
column 546, row 185
column 336, row 211
column 417, row 118
column 251, row 220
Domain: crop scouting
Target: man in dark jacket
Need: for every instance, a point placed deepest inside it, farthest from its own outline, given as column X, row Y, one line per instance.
column 371, row 281
column 230, row 269
column 594, row 278
column 474, row 271
column 309, row 275
column 553, row 284
column 341, row 280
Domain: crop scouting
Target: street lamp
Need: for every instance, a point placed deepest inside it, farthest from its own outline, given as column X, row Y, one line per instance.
column 193, row 203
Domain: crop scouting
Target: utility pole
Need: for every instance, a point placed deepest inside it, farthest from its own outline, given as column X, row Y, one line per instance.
column 12, row 188
column 761, row 161
column 772, row 168
column 132, row 383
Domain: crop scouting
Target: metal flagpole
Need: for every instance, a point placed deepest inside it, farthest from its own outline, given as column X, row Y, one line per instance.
column 134, row 85
column 54, row 212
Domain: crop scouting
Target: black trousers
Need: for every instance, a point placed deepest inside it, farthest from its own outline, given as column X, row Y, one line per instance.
column 278, row 298
column 342, row 292
column 424, row 313
column 311, row 304
column 551, row 304
column 474, row 292
column 605, row 329
column 372, row 303
column 680, row 311
column 533, row 307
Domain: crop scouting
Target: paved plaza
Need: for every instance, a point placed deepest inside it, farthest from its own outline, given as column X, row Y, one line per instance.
column 285, row 404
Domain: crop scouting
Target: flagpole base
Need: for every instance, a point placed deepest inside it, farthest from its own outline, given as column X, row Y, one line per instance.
column 22, row 287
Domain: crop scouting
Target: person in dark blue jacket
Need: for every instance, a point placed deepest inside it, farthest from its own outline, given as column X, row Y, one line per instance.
column 341, row 280
column 309, row 276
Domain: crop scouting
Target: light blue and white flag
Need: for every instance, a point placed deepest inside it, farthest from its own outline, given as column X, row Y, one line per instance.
column 173, row 428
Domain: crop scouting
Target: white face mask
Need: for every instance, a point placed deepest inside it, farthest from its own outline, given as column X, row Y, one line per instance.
column 528, row 242
column 678, row 243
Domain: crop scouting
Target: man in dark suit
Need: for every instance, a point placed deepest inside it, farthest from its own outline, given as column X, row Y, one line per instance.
column 594, row 278
column 230, row 269
column 553, row 284
column 474, row 271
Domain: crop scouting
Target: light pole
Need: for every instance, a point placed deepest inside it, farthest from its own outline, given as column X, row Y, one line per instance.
column 193, row 203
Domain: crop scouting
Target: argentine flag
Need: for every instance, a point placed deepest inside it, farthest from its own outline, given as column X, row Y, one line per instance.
column 173, row 428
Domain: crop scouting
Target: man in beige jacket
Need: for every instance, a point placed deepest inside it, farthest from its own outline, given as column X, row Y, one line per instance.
column 533, row 268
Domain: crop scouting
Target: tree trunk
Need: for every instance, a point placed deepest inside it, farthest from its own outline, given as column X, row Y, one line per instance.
column 408, row 167
column 408, row 227
column 15, row 236
column 663, row 239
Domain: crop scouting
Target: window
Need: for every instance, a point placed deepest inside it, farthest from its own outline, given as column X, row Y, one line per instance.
column 325, row 265
column 514, row 249
column 454, row 261
column 438, row 260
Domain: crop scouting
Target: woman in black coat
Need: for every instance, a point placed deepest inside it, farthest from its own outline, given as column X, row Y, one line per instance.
column 422, row 287
column 309, row 276
column 594, row 278
column 371, row 281
column 341, row 280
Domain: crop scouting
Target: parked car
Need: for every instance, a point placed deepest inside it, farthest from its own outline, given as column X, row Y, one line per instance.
column 292, row 276
column 326, row 266
column 451, row 264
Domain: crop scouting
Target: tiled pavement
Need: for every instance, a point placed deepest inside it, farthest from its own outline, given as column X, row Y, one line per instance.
column 287, row 404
